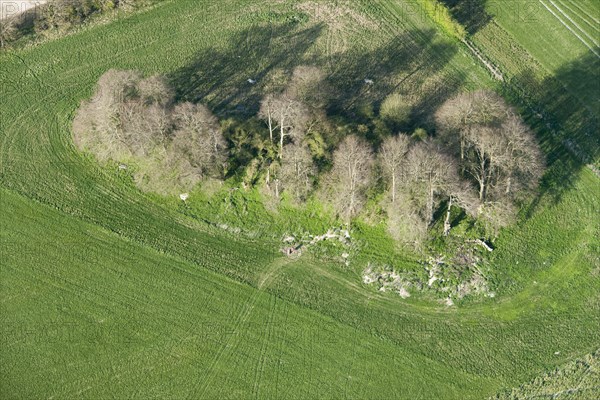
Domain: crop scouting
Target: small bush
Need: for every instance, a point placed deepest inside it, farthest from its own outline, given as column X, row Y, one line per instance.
column 395, row 110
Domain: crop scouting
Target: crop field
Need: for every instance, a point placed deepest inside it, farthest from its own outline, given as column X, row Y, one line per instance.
column 565, row 29
column 109, row 292
column 553, row 72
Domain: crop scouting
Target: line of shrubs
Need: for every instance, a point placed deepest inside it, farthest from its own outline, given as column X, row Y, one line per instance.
column 55, row 16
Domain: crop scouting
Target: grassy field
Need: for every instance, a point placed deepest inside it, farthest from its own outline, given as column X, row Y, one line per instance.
column 554, row 73
column 567, row 29
column 87, row 314
column 107, row 292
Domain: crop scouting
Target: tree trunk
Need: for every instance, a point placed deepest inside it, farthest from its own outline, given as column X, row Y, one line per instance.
column 482, row 176
column 351, row 181
column 281, row 136
column 270, row 127
column 351, row 206
column 447, row 220
column 268, row 178
column 430, row 204
column 462, row 154
column 481, row 190
column 393, row 186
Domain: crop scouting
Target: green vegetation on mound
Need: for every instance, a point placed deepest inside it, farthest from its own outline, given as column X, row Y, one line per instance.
column 108, row 292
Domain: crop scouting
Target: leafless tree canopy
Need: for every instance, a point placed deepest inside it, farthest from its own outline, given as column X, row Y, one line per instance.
column 134, row 120
column 484, row 160
column 197, row 135
column 309, row 86
column 421, row 177
column 392, row 158
column 298, row 171
column 8, row 30
column 289, row 116
column 286, row 119
column 350, row 176
column 467, row 109
column 431, row 177
column 497, row 151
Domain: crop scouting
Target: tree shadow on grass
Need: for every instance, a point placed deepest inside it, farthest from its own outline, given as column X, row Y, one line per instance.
column 401, row 66
column 233, row 80
column 564, row 110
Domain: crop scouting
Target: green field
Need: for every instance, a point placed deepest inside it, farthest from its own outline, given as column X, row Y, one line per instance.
column 109, row 292
column 566, row 29
column 553, row 72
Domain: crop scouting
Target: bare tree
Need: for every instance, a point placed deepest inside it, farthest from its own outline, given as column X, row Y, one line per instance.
column 405, row 222
column 135, row 120
column 285, row 117
column 431, row 177
column 98, row 125
column 144, row 127
column 504, row 160
column 523, row 158
column 457, row 116
column 267, row 112
column 392, row 156
column 8, row 30
column 155, row 90
column 198, row 136
column 309, row 86
column 481, row 107
column 115, row 87
column 459, row 193
column 428, row 177
column 286, row 120
column 114, row 103
column 144, row 114
column 297, row 172
column 424, row 178
column 486, row 155
column 350, row 176
column 496, row 148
